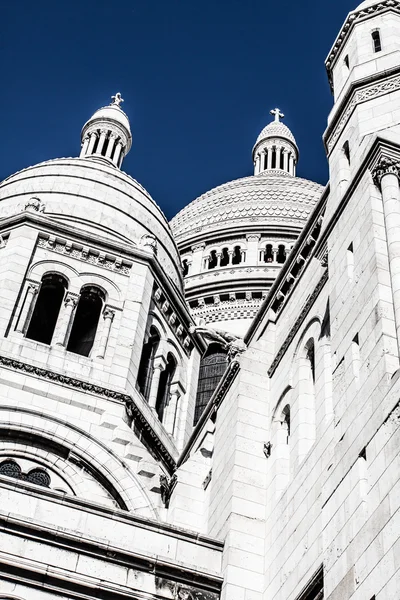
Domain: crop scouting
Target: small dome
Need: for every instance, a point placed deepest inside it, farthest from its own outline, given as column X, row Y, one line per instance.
column 111, row 113
column 367, row 4
column 276, row 129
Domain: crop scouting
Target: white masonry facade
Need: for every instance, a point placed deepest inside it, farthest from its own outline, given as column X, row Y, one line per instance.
column 209, row 409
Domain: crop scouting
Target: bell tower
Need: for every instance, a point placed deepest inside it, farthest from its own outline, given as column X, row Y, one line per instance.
column 364, row 74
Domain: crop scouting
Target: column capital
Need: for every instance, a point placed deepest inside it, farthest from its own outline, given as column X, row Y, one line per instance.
column 198, row 247
column 385, row 166
column 108, row 313
column 253, row 237
column 71, row 299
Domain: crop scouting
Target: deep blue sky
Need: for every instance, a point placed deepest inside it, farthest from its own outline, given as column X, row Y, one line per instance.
column 198, row 78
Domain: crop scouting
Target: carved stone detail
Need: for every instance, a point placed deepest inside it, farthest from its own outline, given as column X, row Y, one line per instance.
column 167, row 486
column 35, row 205
column 386, row 166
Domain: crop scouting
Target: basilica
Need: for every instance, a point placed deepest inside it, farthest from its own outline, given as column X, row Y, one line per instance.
column 209, row 409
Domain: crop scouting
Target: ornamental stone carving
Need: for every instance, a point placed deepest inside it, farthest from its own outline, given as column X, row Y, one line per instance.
column 386, row 166
column 34, row 204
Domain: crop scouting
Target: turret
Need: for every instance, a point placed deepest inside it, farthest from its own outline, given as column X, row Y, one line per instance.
column 107, row 134
column 275, row 148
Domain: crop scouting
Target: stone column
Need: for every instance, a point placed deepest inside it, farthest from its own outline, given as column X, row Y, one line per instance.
column 103, row 135
column 64, row 319
column 278, row 158
column 291, row 164
column 386, row 176
column 108, row 316
column 197, row 258
column 219, row 256
column 286, row 160
column 111, row 145
column 206, row 262
column 275, row 254
column 230, row 254
column 117, row 154
column 170, row 414
column 85, row 146
column 159, row 366
column 27, row 307
column 253, row 241
column 93, row 138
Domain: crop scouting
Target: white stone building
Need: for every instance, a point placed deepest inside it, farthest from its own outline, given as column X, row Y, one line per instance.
column 233, row 433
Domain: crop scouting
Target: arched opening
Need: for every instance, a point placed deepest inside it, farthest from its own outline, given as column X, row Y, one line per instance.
column 224, row 257
column 282, row 160
column 281, row 256
column 273, row 164
column 212, row 263
column 306, row 409
column 269, row 255
column 212, row 367
column 376, row 40
column 164, row 388
column 86, row 321
column 185, row 268
column 237, row 256
column 146, row 367
column 346, row 151
column 47, row 308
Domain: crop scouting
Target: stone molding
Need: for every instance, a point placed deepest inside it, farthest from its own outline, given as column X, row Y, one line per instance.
column 375, row 89
column 304, row 312
column 169, row 313
column 353, row 18
column 201, row 585
column 230, row 309
column 84, row 253
column 132, row 409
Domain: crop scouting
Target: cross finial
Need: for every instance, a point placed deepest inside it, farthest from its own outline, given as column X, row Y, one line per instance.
column 117, row 99
column 277, row 114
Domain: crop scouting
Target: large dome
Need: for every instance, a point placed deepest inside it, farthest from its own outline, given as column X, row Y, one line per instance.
column 93, row 196
column 267, row 198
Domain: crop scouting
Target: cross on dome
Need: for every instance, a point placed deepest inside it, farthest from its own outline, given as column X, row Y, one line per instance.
column 277, row 114
column 117, row 99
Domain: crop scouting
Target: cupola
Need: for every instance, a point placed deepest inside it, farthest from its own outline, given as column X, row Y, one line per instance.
column 107, row 134
column 275, row 149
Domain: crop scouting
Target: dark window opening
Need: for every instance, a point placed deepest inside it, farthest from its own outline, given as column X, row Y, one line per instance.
column 146, row 367
column 47, row 308
column 224, row 297
column 347, row 62
column 269, row 255
column 212, row 367
column 224, row 258
column 376, row 38
column 273, row 165
column 310, row 355
column 314, row 590
column 86, row 321
column 281, row 257
column 346, row 151
column 164, row 388
column 282, row 161
column 286, row 421
column 105, row 146
column 237, row 256
column 212, row 263
column 185, row 268
column 96, row 144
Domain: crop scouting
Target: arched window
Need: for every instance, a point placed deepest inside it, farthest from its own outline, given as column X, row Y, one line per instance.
column 237, row 256
column 282, row 160
column 212, row 263
column 47, row 308
column 164, row 388
column 146, row 368
column 212, row 367
column 281, row 257
column 306, row 412
column 86, row 321
column 185, row 268
column 376, row 40
column 346, row 151
column 269, row 255
column 273, row 165
column 224, row 258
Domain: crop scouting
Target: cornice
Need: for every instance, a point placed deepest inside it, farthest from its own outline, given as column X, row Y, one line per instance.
column 133, row 410
column 352, row 19
column 363, row 90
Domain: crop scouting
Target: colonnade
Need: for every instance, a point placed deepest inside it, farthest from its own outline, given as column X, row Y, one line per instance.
column 264, row 160
column 113, row 151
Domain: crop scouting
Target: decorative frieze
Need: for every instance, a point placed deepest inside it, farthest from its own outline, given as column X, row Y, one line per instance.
column 85, row 254
column 170, row 316
column 374, row 90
